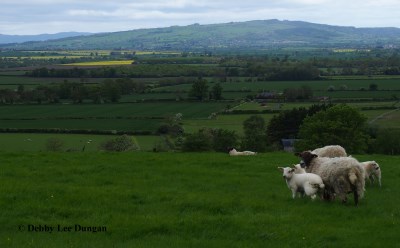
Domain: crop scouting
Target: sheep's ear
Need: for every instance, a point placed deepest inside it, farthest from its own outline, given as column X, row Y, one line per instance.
column 291, row 170
column 297, row 154
column 280, row 168
column 314, row 155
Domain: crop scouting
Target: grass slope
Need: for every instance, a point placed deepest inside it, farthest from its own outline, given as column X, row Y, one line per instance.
column 183, row 200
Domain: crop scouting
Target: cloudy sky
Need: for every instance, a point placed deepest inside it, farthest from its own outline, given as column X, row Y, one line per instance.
column 52, row 16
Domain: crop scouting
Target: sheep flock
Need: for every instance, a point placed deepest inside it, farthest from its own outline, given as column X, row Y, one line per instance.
column 331, row 174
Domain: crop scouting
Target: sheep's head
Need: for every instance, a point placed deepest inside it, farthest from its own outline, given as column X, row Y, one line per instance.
column 375, row 165
column 287, row 172
column 306, row 158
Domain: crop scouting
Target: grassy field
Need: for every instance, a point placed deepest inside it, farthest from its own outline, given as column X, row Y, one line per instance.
column 151, row 109
column 102, row 63
column 34, row 142
column 213, row 200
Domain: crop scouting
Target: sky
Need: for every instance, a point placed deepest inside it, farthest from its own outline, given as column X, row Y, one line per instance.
column 26, row 17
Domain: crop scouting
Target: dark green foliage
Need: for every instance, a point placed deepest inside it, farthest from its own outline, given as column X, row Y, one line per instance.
column 120, row 144
column 208, row 139
column 303, row 93
column 286, row 124
column 255, row 138
column 224, row 139
column 200, row 141
column 387, row 142
column 164, row 144
column 199, row 89
column 54, row 145
column 216, row 92
column 338, row 125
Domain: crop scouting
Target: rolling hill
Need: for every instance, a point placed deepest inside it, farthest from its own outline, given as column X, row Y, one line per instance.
column 262, row 34
column 7, row 39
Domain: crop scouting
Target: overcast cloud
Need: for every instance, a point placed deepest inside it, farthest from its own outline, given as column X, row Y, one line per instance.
column 52, row 16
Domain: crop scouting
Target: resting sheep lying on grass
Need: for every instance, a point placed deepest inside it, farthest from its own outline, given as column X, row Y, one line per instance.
column 306, row 183
column 233, row 152
column 330, row 151
column 341, row 175
column 372, row 171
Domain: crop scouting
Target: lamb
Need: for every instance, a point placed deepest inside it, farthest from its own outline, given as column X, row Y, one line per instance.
column 330, row 151
column 233, row 152
column 341, row 175
column 372, row 171
column 306, row 183
column 298, row 169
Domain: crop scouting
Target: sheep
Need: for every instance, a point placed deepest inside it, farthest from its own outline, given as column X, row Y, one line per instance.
column 306, row 183
column 298, row 169
column 372, row 171
column 341, row 175
column 330, row 151
column 233, row 152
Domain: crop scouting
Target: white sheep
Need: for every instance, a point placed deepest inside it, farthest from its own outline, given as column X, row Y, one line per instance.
column 298, row 169
column 372, row 171
column 341, row 175
column 330, row 151
column 233, row 152
column 306, row 183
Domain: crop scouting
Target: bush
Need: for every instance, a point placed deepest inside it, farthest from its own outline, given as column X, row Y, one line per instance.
column 255, row 137
column 338, row 125
column 164, row 144
column 200, row 141
column 387, row 142
column 54, row 144
column 119, row 144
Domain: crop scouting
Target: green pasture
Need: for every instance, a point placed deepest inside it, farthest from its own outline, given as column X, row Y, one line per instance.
column 183, row 200
column 32, row 142
column 150, row 125
column 150, row 109
column 321, row 85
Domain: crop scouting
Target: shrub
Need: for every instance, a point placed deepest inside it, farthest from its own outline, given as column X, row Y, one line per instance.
column 255, row 137
column 119, row 144
column 54, row 144
column 387, row 142
column 200, row 141
column 338, row 125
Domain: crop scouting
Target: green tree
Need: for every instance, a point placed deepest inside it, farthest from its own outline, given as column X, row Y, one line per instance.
column 338, row 125
column 199, row 89
column 216, row 92
column 255, row 137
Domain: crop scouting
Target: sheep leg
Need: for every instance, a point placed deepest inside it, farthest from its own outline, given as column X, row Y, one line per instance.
column 294, row 193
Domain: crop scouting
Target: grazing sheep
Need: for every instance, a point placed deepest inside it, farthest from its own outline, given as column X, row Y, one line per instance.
column 330, row 151
column 233, row 152
column 341, row 175
column 372, row 171
column 306, row 183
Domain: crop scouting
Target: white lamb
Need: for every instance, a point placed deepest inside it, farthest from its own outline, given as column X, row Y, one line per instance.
column 372, row 171
column 330, row 151
column 298, row 169
column 306, row 183
column 233, row 152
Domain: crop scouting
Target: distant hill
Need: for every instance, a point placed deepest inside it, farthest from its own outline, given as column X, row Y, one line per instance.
column 6, row 39
column 229, row 36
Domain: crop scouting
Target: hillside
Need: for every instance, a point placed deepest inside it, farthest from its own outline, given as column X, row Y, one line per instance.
column 235, row 35
column 7, row 39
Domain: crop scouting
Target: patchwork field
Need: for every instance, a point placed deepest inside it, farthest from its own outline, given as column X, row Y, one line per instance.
column 182, row 200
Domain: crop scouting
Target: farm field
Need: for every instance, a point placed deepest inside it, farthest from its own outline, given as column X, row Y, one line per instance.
column 151, row 109
column 213, row 201
column 102, row 63
column 35, row 142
